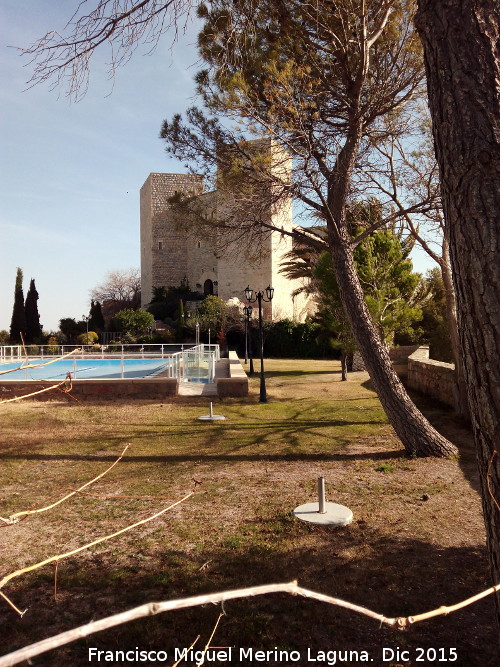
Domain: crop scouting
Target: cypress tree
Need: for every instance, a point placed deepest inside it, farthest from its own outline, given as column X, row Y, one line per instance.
column 96, row 318
column 18, row 322
column 33, row 326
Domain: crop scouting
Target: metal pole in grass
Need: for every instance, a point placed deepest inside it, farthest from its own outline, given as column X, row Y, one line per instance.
column 327, row 514
column 321, row 495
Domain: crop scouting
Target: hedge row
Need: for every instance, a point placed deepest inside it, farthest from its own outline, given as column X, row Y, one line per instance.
column 285, row 339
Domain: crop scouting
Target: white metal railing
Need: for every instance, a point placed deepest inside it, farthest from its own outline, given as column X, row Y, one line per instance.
column 117, row 350
column 10, row 353
column 196, row 363
column 189, row 363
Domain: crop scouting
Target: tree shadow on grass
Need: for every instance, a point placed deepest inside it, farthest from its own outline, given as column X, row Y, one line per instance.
column 451, row 426
column 297, row 373
column 456, row 430
column 207, row 458
column 388, row 573
column 295, row 437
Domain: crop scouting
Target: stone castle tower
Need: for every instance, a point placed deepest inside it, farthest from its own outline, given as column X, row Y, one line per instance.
column 171, row 253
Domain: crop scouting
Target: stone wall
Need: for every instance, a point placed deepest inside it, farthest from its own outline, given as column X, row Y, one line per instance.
column 202, row 252
column 146, row 242
column 135, row 389
column 431, row 378
column 164, row 243
column 247, row 258
column 402, row 352
column 170, row 252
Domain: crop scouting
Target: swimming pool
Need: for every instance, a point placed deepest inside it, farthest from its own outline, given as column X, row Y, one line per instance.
column 86, row 369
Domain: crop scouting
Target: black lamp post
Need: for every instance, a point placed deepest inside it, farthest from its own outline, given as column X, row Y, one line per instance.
column 259, row 297
column 247, row 311
column 86, row 319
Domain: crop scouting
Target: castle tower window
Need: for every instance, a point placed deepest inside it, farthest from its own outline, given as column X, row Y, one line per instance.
column 199, row 244
column 160, row 245
column 208, row 287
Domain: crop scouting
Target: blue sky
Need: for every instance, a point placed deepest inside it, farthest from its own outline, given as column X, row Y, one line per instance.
column 71, row 172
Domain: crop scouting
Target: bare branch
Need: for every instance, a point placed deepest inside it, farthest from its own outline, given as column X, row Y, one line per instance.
column 58, row 557
column 119, row 286
column 207, row 645
column 15, row 518
column 64, row 59
column 153, row 608
column 35, row 393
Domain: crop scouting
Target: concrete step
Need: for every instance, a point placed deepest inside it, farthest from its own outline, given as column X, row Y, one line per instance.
column 197, row 389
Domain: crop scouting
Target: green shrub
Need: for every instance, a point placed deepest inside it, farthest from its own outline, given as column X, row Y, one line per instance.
column 88, row 338
column 284, row 339
column 129, row 339
column 53, row 345
column 132, row 321
column 294, row 340
column 165, row 336
column 159, row 310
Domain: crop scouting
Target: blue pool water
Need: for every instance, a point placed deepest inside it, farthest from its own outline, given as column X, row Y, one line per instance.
column 86, row 369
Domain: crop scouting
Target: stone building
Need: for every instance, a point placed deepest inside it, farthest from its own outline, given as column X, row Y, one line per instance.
column 172, row 252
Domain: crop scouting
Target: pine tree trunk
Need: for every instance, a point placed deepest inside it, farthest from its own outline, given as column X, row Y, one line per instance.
column 419, row 438
column 461, row 401
column 343, row 364
column 417, row 435
column 461, row 49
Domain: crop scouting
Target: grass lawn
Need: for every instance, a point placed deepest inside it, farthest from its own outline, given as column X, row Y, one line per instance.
column 416, row 541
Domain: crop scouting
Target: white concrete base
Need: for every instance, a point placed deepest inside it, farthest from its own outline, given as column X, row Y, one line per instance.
column 334, row 515
column 211, row 418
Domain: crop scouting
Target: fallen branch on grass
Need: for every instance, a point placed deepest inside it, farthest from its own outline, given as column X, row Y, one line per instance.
column 59, row 557
column 189, row 648
column 207, row 645
column 153, row 608
column 15, row 518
